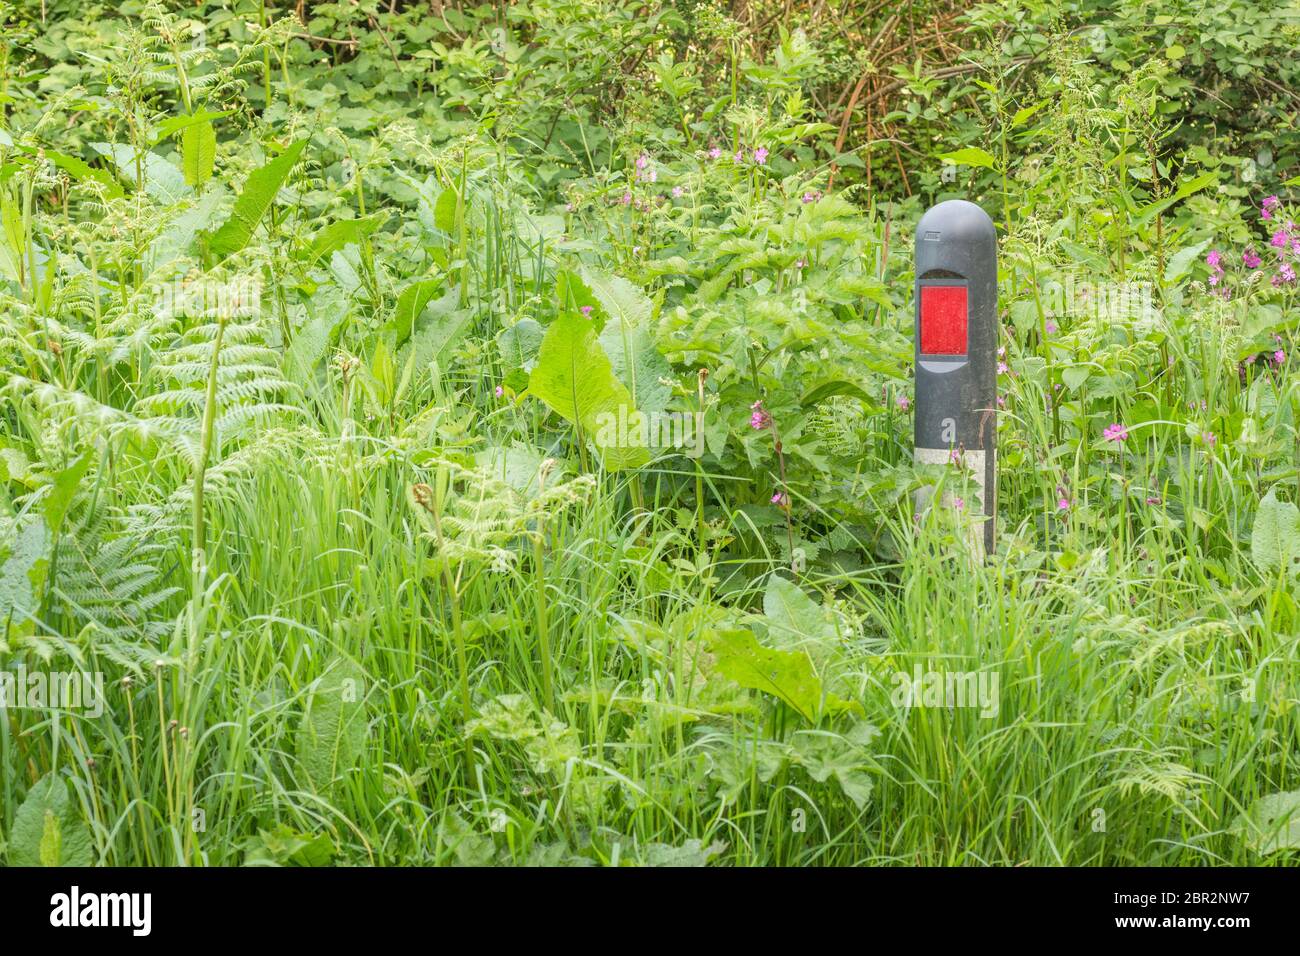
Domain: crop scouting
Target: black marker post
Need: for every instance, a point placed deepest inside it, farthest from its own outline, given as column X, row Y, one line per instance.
column 956, row 346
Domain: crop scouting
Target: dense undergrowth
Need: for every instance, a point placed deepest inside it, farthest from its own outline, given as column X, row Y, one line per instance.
column 327, row 336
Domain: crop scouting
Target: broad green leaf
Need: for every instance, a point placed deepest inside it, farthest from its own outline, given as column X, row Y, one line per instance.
column 13, row 242
column 410, row 303
column 857, row 786
column 795, row 621
column 517, row 465
column 638, row 364
column 620, row 299
column 81, row 172
column 15, row 466
column 383, row 370
column 51, row 841
column 437, row 329
column 198, row 152
column 345, row 267
column 162, row 181
column 1091, row 259
column 23, row 573
column 1151, row 210
column 575, row 379
column 471, row 848
column 786, row 675
column 692, row 853
column 1180, row 263
column 341, row 233
column 176, row 124
column 47, row 829
column 549, row 742
column 254, row 200
column 284, row 846
column 327, row 308
column 505, row 717
column 1075, row 375
column 627, row 338
column 175, row 240
column 65, row 484
column 970, row 156
column 574, row 295
column 332, row 735
column 520, row 344
column 1275, row 536
column 826, row 756
column 824, row 390
column 1022, row 115
column 444, row 211
column 1273, row 823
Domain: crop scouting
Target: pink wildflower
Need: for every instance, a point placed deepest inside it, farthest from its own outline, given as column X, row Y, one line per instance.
column 1116, row 433
column 760, row 419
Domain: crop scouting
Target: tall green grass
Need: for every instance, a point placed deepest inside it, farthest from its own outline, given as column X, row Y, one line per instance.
column 541, row 642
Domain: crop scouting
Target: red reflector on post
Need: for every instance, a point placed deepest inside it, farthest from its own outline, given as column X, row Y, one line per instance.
column 943, row 320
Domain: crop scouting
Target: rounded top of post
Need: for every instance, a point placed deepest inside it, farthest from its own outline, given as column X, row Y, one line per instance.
column 956, row 220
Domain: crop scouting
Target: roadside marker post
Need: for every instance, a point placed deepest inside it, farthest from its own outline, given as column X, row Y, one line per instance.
column 956, row 341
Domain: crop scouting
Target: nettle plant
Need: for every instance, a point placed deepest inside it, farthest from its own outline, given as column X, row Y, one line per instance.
column 764, row 294
column 786, row 311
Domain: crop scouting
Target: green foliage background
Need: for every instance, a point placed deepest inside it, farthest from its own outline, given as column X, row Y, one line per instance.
column 314, row 319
